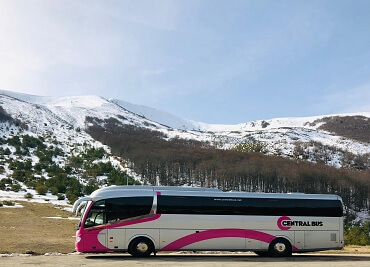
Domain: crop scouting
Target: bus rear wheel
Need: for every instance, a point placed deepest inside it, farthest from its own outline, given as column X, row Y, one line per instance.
column 280, row 247
column 141, row 247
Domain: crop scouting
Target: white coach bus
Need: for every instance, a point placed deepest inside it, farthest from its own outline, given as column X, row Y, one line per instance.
column 142, row 220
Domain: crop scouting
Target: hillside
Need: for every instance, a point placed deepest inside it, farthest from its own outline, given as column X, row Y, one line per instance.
column 354, row 127
column 284, row 136
column 68, row 146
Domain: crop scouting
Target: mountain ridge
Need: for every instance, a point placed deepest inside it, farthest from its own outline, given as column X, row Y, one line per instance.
column 280, row 136
column 164, row 118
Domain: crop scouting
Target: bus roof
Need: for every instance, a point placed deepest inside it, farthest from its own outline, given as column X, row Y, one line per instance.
column 122, row 191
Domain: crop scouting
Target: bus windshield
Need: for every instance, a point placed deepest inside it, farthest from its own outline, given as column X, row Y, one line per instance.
column 83, row 213
column 97, row 215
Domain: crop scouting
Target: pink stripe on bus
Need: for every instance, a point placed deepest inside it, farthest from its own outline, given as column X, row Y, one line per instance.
column 220, row 233
column 152, row 217
column 91, row 239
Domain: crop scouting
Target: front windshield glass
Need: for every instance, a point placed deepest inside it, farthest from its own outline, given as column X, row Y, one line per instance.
column 96, row 215
column 83, row 213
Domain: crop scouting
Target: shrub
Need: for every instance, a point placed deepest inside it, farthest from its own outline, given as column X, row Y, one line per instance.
column 41, row 189
column 61, row 196
column 54, row 190
column 116, row 177
column 94, row 153
column 257, row 147
column 15, row 187
column 358, row 234
column 7, row 151
column 29, row 141
column 90, row 187
column 28, row 195
column 8, row 203
column 71, row 197
column 19, row 175
column 31, row 183
column 75, row 162
column 7, row 181
column 14, row 141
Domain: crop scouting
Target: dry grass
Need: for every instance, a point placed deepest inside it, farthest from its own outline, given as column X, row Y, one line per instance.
column 23, row 229
column 351, row 249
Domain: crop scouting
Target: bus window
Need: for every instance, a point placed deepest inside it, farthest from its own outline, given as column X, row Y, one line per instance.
column 248, row 206
column 127, row 207
column 97, row 215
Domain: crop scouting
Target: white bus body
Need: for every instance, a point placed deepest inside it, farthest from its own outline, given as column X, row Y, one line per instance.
column 143, row 219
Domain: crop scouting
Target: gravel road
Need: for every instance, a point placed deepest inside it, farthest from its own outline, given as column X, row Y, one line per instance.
column 211, row 260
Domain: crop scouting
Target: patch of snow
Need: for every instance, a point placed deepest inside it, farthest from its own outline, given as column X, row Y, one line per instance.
column 53, row 254
column 14, row 206
column 19, row 196
column 15, row 255
column 362, row 216
column 62, row 218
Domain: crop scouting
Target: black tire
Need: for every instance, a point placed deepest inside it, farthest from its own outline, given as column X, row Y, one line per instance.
column 261, row 253
column 141, row 247
column 280, row 247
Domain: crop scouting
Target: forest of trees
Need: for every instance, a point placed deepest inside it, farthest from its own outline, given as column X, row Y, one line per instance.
column 187, row 162
column 77, row 177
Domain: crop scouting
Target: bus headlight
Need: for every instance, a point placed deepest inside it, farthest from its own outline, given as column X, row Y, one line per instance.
column 78, row 239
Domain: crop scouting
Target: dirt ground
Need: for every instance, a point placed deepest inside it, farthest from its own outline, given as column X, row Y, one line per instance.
column 178, row 260
column 25, row 229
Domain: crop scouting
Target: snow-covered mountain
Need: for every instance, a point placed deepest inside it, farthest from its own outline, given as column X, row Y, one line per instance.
column 45, row 142
column 282, row 136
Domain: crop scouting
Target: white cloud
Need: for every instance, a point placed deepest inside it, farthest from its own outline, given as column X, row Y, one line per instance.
column 48, row 45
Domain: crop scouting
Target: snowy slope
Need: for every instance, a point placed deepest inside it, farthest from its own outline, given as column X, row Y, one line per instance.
column 298, row 122
column 156, row 115
column 63, row 115
column 69, row 111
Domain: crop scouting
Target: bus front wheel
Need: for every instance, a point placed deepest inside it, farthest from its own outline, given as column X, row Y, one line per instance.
column 280, row 247
column 141, row 247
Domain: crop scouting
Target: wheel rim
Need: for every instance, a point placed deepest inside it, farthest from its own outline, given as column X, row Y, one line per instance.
column 280, row 247
column 142, row 247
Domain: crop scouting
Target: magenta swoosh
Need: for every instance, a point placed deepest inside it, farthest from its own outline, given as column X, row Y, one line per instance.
column 220, row 233
column 91, row 240
column 143, row 220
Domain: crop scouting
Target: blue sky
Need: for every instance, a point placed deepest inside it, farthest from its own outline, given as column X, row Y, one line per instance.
column 211, row 61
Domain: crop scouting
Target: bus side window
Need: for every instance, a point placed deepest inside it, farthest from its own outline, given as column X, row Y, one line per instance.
column 127, row 207
column 97, row 215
